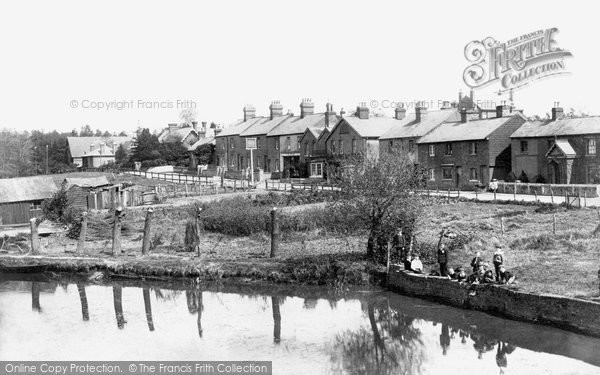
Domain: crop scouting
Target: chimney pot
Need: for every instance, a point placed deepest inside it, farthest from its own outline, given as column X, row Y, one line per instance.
column 400, row 112
column 362, row 111
column 307, row 107
column 420, row 111
column 463, row 115
column 249, row 112
column 276, row 109
column 557, row 112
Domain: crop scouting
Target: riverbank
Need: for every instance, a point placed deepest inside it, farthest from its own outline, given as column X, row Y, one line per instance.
column 572, row 314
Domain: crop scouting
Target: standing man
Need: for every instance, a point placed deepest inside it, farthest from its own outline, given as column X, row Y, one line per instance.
column 398, row 242
column 498, row 260
column 442, row 255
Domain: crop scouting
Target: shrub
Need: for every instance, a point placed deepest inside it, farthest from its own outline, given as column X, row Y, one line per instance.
column 511, row 177
column 237, row 216
column 523, row 177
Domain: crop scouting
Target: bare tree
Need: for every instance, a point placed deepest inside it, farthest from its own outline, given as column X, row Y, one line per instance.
column 188, row 115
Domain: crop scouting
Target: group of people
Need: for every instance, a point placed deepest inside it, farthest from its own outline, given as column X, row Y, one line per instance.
column 482, row 273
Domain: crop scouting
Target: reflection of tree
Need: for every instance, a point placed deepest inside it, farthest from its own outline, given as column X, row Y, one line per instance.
column 35, row 297
column 118, row 302
column 503, row 350
column 275, row 302
column 482, row 344
column 85, row 313
column 391, row 345
column 310, row 303
column 445, row 339
column 195, row 305
column 148, row 307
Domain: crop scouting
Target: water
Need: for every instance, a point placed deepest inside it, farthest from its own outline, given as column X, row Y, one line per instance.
column 301, row 331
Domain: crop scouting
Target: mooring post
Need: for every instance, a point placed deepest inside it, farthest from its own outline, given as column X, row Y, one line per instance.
column 35, row 241
column 147, row 226
column 116, row 243
column 82, row 234
column 274, row 232
column 553, row 223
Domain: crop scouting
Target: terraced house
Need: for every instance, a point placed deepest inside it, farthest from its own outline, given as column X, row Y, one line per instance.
column 558, row 151
column 313, row 146
column 470, row 151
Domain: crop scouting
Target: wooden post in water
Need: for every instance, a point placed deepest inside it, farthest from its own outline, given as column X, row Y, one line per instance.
column 35, row 297
column 116, row 243
column 276, row 319
column 147, row 226
column 82, row 234
column 585, row 198
column 148, row 307
column 476, row 194
column 118, row 303
column 274, row 233
column 186, row 189
column 554, row 224
column 34, row 238
column 85, row 314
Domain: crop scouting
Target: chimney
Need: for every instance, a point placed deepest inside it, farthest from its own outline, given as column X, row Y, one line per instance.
column 329, row 112
column 342, row 112
column 307, row 107
column 362, row 111
column 557, row 112
column 195, row 125
column 503, row 109
column 204, row 126
column 276, row 109
column 400, row 112
column 249, row 112
column 463, row 115
column 420, row 111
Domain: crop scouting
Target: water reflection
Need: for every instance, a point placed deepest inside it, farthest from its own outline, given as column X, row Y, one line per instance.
column 362, row 333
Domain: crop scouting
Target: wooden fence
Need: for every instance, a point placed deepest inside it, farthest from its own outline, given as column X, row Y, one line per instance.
column 176, row 178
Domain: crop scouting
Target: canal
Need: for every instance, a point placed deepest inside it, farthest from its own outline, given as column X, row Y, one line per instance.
column 308, row 330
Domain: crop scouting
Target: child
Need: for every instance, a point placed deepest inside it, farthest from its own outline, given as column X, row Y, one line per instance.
column 498, row 260
column 506, row 277
column 475, row 262
column 461, row 274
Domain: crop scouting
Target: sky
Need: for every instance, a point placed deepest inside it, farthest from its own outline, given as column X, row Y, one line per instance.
column 145, row 61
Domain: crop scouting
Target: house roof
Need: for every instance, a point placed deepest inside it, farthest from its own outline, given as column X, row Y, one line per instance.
column 238, row 127
column 23, row 189
column 372, row 127
column 464, row 131
column 176, row 134
column 297, row 125
column 86, row 181
column 408, row 127
column 79, row 146
column 563, row 146
column 201, row 141
column 562, row 127
column 265, row 126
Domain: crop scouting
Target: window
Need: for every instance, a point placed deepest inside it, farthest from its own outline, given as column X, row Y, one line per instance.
column 593, row 174
column 431, row 150
column 312, row 147
column 411, row 145
column 391, row 144
column 448, row 148
column 266, row 165
column 277, row 144
column 277, row 165
column 298, row 144
column 591, row 147
column 341, row 146
column 473, row 148
column 354, row 146
column 288, row 143
column 316, row 169
column 431, row 174
column 306, row 153
column 524, row 147
column 223, row 145
column 447, row 173
column 473, row 175
column 36, row 205
column 231, row 142
column 257, row 142
column 333, row 147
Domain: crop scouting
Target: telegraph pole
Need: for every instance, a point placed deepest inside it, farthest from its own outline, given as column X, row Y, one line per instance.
column 46, row 159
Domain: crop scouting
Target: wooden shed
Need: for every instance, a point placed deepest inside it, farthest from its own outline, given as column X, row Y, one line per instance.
column 21, row 198
column 90, row 193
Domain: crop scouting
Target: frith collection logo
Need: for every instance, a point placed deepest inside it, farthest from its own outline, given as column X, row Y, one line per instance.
column 514, row 63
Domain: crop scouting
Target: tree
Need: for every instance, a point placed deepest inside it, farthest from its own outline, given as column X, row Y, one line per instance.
column 123, row 134
column 205, row 154
column 86, row 131
column 121, row 154
column 188, row 115
column 98, row 133
column 174, row 153
column 145, row 146
column 379, row 194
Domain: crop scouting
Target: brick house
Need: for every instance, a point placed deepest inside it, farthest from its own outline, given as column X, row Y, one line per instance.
column 230, row 148
column 288, row 135
column 314, row 148
column 359, row 133
column 411, row 128
column 184, row 133
column 469, row 152
column 559, row 151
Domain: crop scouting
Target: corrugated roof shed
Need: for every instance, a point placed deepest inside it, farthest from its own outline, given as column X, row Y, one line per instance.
column 78, row 146
column 263, row 127
column 408, row 127
column 23, row 189
column 467, row 131
column 563, row 127
column 91, row 182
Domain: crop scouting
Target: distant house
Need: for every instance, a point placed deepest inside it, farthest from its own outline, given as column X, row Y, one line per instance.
column 90, row 192
column 94, row 152
column 469, row 152
column 21, row 198
column 184, row 133
column 314, row 149
column 558, row 151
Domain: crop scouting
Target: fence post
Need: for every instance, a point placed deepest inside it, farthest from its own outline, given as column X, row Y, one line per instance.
column 186, row 188
column 554, row 224
column 579, row 198
column 502, row 225
column 82, row 234
column 535, row 194
column 274, row 233
column 566, row 199
column 476, row 194
column 551, row 195
column 34, row 240
column 266, row 185
column 147, row 226
column 116, row 243
column 585, row 198
column 234, row 185
column 458, row 195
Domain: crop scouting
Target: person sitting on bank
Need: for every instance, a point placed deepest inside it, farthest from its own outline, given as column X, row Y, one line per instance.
column 498, row 260
column 475, row 262
column 451, row 274
column 407, row 261
column 477, row 276
column 461, row 275
column 506, row 277
column 415, row 265
column 488, row 277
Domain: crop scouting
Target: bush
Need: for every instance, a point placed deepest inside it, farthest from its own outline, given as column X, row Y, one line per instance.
column 511, row 177
column 523, row 177
column 237, row 216
column 57, row 210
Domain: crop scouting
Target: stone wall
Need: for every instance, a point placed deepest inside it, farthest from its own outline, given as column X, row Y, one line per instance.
column 569, row 313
